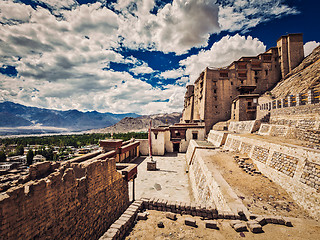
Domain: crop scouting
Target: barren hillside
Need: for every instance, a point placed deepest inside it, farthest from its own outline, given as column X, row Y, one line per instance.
column 303, row 77
column 141, row 124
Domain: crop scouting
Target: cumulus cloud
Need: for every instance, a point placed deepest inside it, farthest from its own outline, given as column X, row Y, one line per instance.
column 63, row 52
column 177, row 27
column 222, row 53
column 309, row 47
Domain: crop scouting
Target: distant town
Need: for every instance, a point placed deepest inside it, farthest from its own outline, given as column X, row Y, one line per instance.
column 16, row 154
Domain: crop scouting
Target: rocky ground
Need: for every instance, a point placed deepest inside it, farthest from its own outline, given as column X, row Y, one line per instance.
column 148, row 229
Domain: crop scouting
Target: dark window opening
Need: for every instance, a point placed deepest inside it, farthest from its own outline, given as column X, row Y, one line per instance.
column 234, row 106
column 231, row 83
column 267, row 72
column 215, row 90
column 156, row 135
column 194, row 135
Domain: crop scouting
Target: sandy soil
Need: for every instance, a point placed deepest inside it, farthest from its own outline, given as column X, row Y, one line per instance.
column 258, row 193
column 146, row 230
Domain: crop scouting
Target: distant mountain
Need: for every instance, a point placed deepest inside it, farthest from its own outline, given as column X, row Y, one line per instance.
column 17, row 115
column 141, row 123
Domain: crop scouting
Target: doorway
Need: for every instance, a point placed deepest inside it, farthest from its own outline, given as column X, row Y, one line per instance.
column 176, row 147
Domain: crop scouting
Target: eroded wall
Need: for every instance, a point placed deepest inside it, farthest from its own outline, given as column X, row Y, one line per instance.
column 73, row 201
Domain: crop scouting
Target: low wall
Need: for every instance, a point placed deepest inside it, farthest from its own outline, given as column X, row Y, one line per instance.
column 217, row 138
column 309, row 135
column 144, row 147
column 296, row 169
column 73, row 201
column 208, row 185
column 244, row 126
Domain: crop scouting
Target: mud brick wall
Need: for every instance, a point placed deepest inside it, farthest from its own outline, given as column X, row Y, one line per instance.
column 75, row 201
column 295, row 168
column 311, row 175
column 284, row 163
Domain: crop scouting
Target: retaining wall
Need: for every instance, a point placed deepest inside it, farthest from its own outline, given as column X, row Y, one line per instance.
column 244, row 126
column 217, row 138
column 70, row 201
column 207, row 184
column 296, row 169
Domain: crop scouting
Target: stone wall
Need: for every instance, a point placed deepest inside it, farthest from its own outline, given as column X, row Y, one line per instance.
column 76, row 200
column 296, row 169
column 217, row 138
column 244, row 126
column 205, row 189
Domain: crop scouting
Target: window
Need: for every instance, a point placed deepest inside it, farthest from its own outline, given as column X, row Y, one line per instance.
column 194, row 135
column 156, row 135
column 231, row 83
column 266, row 72
column 234, row 106
column 214, row 90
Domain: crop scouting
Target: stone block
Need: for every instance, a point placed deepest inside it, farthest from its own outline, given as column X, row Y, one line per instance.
column 190, row 222
column 254, row 227
column 171, row 216
column 240, row 227
column 234, row 222
column 287, row 222
column 211, row 224
column 142, row 216
column 261, row 220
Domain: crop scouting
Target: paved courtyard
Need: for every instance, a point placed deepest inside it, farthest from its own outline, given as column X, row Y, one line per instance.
column 170, row 181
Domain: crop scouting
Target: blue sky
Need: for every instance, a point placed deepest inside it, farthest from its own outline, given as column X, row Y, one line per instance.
column 133, row 55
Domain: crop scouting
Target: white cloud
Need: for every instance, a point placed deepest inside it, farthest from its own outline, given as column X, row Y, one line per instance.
column 235, row 15
column 176, row 73
column 309, row 47
column 222, row 53
column 60, row 57
column 141, row 69
column 176, row 27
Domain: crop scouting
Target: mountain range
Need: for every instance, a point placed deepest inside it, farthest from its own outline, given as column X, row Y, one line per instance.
column 16, row 116
column 141, row 123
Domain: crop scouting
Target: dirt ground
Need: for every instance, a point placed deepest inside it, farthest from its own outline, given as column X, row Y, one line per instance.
column 258, row 193
column 146, row 230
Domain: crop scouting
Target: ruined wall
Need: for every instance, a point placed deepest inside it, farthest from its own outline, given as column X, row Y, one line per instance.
column 74, row 201
column 296, row 169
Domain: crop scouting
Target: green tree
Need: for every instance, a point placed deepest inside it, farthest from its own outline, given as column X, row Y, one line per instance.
column 20, row 150
column 3, row 156
column 30, row 156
